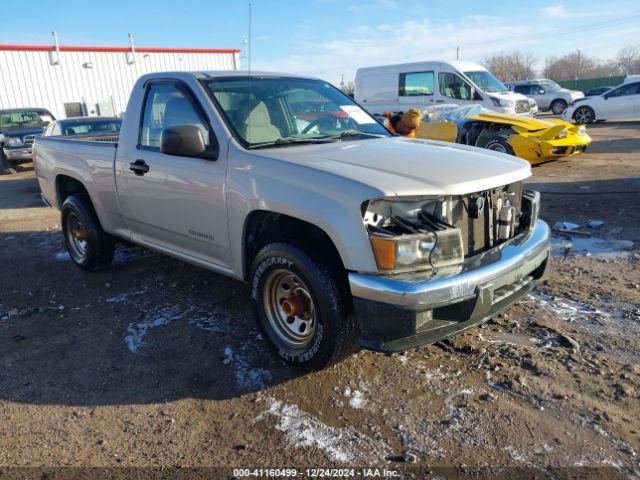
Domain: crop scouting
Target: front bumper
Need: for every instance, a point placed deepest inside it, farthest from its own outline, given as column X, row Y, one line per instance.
column 18, row 154
column 397, row 313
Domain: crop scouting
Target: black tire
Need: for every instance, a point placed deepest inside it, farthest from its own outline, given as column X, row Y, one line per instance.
column 90, row 247
column 584, row 115
column 331, row 333
column 558, row 106
column 499, row 144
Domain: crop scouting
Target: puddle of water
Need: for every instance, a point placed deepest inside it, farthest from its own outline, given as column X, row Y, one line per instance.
column 591, row 246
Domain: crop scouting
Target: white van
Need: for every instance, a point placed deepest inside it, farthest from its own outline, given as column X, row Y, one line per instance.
column 399, row 87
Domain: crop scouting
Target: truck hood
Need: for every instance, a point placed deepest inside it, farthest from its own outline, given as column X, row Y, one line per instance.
column 400, row 166
column 21, row 131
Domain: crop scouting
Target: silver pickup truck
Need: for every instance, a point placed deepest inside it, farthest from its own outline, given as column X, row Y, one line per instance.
column 347, row 234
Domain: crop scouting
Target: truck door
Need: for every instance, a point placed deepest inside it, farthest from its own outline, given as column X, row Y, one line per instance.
column 172, row 202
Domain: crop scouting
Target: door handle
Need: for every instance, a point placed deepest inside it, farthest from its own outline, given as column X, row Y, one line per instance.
column 440, row 101
column 139, row 167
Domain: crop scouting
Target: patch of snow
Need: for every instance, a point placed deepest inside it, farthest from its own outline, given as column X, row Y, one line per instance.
column 345, row 445
column 592, row 247
column 125, row 297
column 612, row 320
column 162, row 316
column 357, row 400
column 62, row 256
column 248, row 377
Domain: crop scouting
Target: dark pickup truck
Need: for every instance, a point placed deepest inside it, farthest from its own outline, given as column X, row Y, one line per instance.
column 18, row 129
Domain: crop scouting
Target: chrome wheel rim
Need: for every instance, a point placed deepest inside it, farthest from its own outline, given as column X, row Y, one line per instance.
column 289, row 307
column 496, row 147
column 583, row 115
column 77, row 238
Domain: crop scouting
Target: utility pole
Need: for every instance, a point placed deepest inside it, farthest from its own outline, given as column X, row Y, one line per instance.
column 577, row 69
column 342, row 82
column 457, row 53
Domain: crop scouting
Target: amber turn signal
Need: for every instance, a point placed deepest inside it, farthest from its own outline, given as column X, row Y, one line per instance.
column 385, row 253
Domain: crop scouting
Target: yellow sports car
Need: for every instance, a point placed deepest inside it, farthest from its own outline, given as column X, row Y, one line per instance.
column 533, row 139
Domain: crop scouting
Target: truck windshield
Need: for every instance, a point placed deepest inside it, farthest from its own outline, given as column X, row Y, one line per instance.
column 24, row 118
column 269, row 111
column 486, row 81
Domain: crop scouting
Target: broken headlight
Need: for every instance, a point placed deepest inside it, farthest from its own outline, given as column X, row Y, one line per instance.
column 410, row 235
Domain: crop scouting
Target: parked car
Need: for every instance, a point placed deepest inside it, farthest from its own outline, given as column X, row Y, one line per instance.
column 620, row 103
column 597, row 91
column 18, row 129
column 547, row 94
column 84, row 126
column 347, row 236
column 393, row 88
column 532, row 139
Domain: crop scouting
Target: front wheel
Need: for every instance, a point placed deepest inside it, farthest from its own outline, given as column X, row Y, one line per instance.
column 584, row 115
column 300, row 308
column 90, row 247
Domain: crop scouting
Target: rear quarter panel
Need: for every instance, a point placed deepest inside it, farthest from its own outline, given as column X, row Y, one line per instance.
column 90, row 163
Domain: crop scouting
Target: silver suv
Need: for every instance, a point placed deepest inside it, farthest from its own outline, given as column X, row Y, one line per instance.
column 547, row 94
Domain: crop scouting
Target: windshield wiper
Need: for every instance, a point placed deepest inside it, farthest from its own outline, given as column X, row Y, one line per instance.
column 293, row 140
column 355, row 133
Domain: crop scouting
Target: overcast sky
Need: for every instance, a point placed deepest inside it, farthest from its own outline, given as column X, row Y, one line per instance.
column 328, row 38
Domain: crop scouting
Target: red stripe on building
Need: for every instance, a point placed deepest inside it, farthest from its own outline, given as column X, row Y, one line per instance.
column 50, row 48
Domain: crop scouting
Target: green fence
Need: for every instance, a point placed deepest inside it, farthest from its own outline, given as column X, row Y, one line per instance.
column 586, row 84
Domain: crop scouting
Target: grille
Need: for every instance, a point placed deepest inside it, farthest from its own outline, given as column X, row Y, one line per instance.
column 477, row 232
column 522, row 106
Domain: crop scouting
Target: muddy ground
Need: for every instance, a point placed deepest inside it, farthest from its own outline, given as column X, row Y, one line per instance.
column 157, row 363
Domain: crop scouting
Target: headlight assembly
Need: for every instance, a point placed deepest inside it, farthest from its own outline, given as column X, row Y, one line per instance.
column 582, row 130
column 439, row 249
column 14, row 142
column 501, row 102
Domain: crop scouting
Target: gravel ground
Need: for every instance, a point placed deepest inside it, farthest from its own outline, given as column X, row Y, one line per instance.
column 156, row 363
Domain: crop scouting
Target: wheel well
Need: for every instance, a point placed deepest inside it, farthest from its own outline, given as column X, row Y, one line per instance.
column 66, row 186
column 262, row 228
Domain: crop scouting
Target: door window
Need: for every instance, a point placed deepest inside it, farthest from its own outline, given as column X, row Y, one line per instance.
column 452, row 86
column 416, row 84
column 523, row 89
column 535, row 90
column 166, row 106
column 623, row 91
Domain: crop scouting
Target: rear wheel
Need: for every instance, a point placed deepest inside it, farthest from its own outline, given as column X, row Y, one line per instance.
column 558, row 106
column 499, row 144
column 584, row 115
column 90, row 247
column 300, row 309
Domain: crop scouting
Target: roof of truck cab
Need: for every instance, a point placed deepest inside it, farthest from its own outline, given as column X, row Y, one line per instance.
column 226, row 73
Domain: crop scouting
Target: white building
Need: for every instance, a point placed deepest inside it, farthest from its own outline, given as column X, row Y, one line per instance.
column 72, row 80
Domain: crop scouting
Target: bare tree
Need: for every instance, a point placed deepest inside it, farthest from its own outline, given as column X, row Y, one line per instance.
column 576, row 65
column 628, row 59
column 512, row 66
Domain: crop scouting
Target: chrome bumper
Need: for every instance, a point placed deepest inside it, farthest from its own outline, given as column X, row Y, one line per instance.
column 18, row 153
column 507, row 264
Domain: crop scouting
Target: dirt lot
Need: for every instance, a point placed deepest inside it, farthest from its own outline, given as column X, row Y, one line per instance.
column 157, row 363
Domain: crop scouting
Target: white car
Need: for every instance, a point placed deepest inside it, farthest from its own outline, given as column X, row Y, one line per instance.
column 622, row 102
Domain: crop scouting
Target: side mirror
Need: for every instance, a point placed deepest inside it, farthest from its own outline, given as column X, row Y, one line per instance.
column 186, row 141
